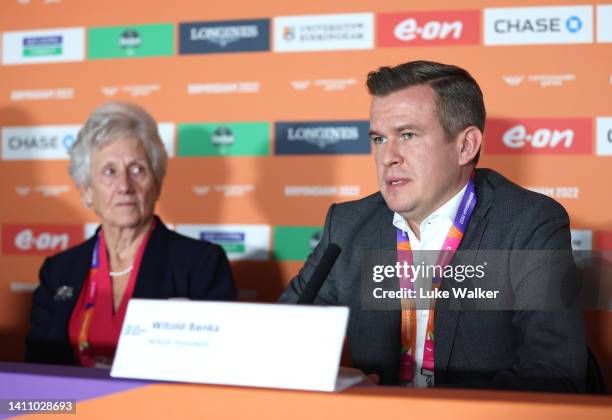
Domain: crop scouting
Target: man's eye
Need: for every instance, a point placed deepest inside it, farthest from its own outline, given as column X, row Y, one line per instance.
column 108, row 171
column 378, row 139
column 408, row 136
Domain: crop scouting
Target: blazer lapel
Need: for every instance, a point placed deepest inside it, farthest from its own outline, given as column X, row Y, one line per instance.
column 447, row 318
column 151, row 282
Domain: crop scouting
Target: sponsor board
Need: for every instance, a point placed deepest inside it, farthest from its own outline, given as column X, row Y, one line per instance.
column 295, row 243
column 539, row 136
column 604, row 136
column 582, row 239
column 226, row 190
column 133, row 91
column 222, row 88
column 37, row 239
column 130, row 41
column 322, row 137
column 224, row 36
column 49, row 142
column 166, row 133
column 604, row 241
column 43, row 46
column 604, row 23
column 240, row 242
column 22, row 287
column 544, row 80
column 322, row 190
column 558, row 193
column 351, row 31
column 52, row 142
column 19, row 95
column 538, row 25
column 224, row 139
column 458, row 27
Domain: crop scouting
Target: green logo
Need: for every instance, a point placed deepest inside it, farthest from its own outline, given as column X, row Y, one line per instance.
column 131, row 41
column 295, row 243
column 224, row 139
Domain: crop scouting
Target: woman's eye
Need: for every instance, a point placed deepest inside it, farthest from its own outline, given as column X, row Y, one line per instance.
column 137, row 169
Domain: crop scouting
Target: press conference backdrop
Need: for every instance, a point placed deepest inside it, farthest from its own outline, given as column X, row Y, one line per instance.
column 263, row 110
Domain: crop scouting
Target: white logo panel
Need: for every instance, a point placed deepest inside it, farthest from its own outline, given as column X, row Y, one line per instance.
column 538, row 25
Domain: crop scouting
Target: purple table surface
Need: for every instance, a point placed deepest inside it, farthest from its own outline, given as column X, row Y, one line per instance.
column 19, row 381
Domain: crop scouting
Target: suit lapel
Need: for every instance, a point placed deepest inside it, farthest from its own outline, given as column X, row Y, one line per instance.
column 151, row 282
column 447, row 318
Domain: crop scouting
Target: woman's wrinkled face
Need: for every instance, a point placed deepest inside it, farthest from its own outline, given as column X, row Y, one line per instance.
column 123, row 190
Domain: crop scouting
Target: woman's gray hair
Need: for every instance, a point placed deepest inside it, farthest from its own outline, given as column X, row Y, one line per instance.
column 112, row 121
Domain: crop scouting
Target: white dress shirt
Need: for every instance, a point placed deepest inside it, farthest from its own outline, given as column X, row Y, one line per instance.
column 434, row 230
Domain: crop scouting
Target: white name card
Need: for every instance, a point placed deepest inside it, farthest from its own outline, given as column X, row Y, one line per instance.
column 246, row 344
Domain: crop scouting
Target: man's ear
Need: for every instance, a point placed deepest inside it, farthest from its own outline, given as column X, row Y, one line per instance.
column 469, row 144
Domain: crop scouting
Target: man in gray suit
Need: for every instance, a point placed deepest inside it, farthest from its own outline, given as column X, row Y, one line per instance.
column 427, row 122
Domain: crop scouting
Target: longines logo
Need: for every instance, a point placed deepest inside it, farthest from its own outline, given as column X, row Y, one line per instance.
column 322, row 137
column 227, row 36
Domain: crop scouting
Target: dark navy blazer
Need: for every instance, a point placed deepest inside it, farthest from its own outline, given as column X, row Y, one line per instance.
column 172, row 266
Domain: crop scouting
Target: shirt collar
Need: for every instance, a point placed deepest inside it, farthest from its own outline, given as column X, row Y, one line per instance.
column 447, row 211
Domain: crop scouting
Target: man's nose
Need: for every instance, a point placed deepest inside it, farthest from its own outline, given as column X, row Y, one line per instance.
column 391, row 153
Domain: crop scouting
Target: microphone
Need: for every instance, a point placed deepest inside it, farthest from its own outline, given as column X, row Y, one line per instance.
column 328, row 259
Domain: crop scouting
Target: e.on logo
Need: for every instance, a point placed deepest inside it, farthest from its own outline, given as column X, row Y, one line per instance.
column 39, row 239
column 429, row 28
column 539, row 136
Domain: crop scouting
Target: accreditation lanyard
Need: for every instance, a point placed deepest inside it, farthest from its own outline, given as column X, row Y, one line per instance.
column 97, row 274
column 90, row 302
column 404, row 255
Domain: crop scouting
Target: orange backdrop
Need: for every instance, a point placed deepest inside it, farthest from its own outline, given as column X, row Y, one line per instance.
column 546, row 88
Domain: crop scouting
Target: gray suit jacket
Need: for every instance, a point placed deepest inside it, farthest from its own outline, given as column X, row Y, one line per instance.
column 506, row 349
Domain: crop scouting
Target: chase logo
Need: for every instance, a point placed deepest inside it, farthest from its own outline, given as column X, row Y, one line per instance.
column 68, row 141
column 38, row 142
column 228, row 36
column 322, row 137
column 604, row 136
column 538, row 25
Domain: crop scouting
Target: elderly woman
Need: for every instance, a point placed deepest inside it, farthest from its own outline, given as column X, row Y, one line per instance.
column 118, row 163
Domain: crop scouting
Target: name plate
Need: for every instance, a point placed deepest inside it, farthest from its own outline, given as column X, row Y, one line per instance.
column 246, row 344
